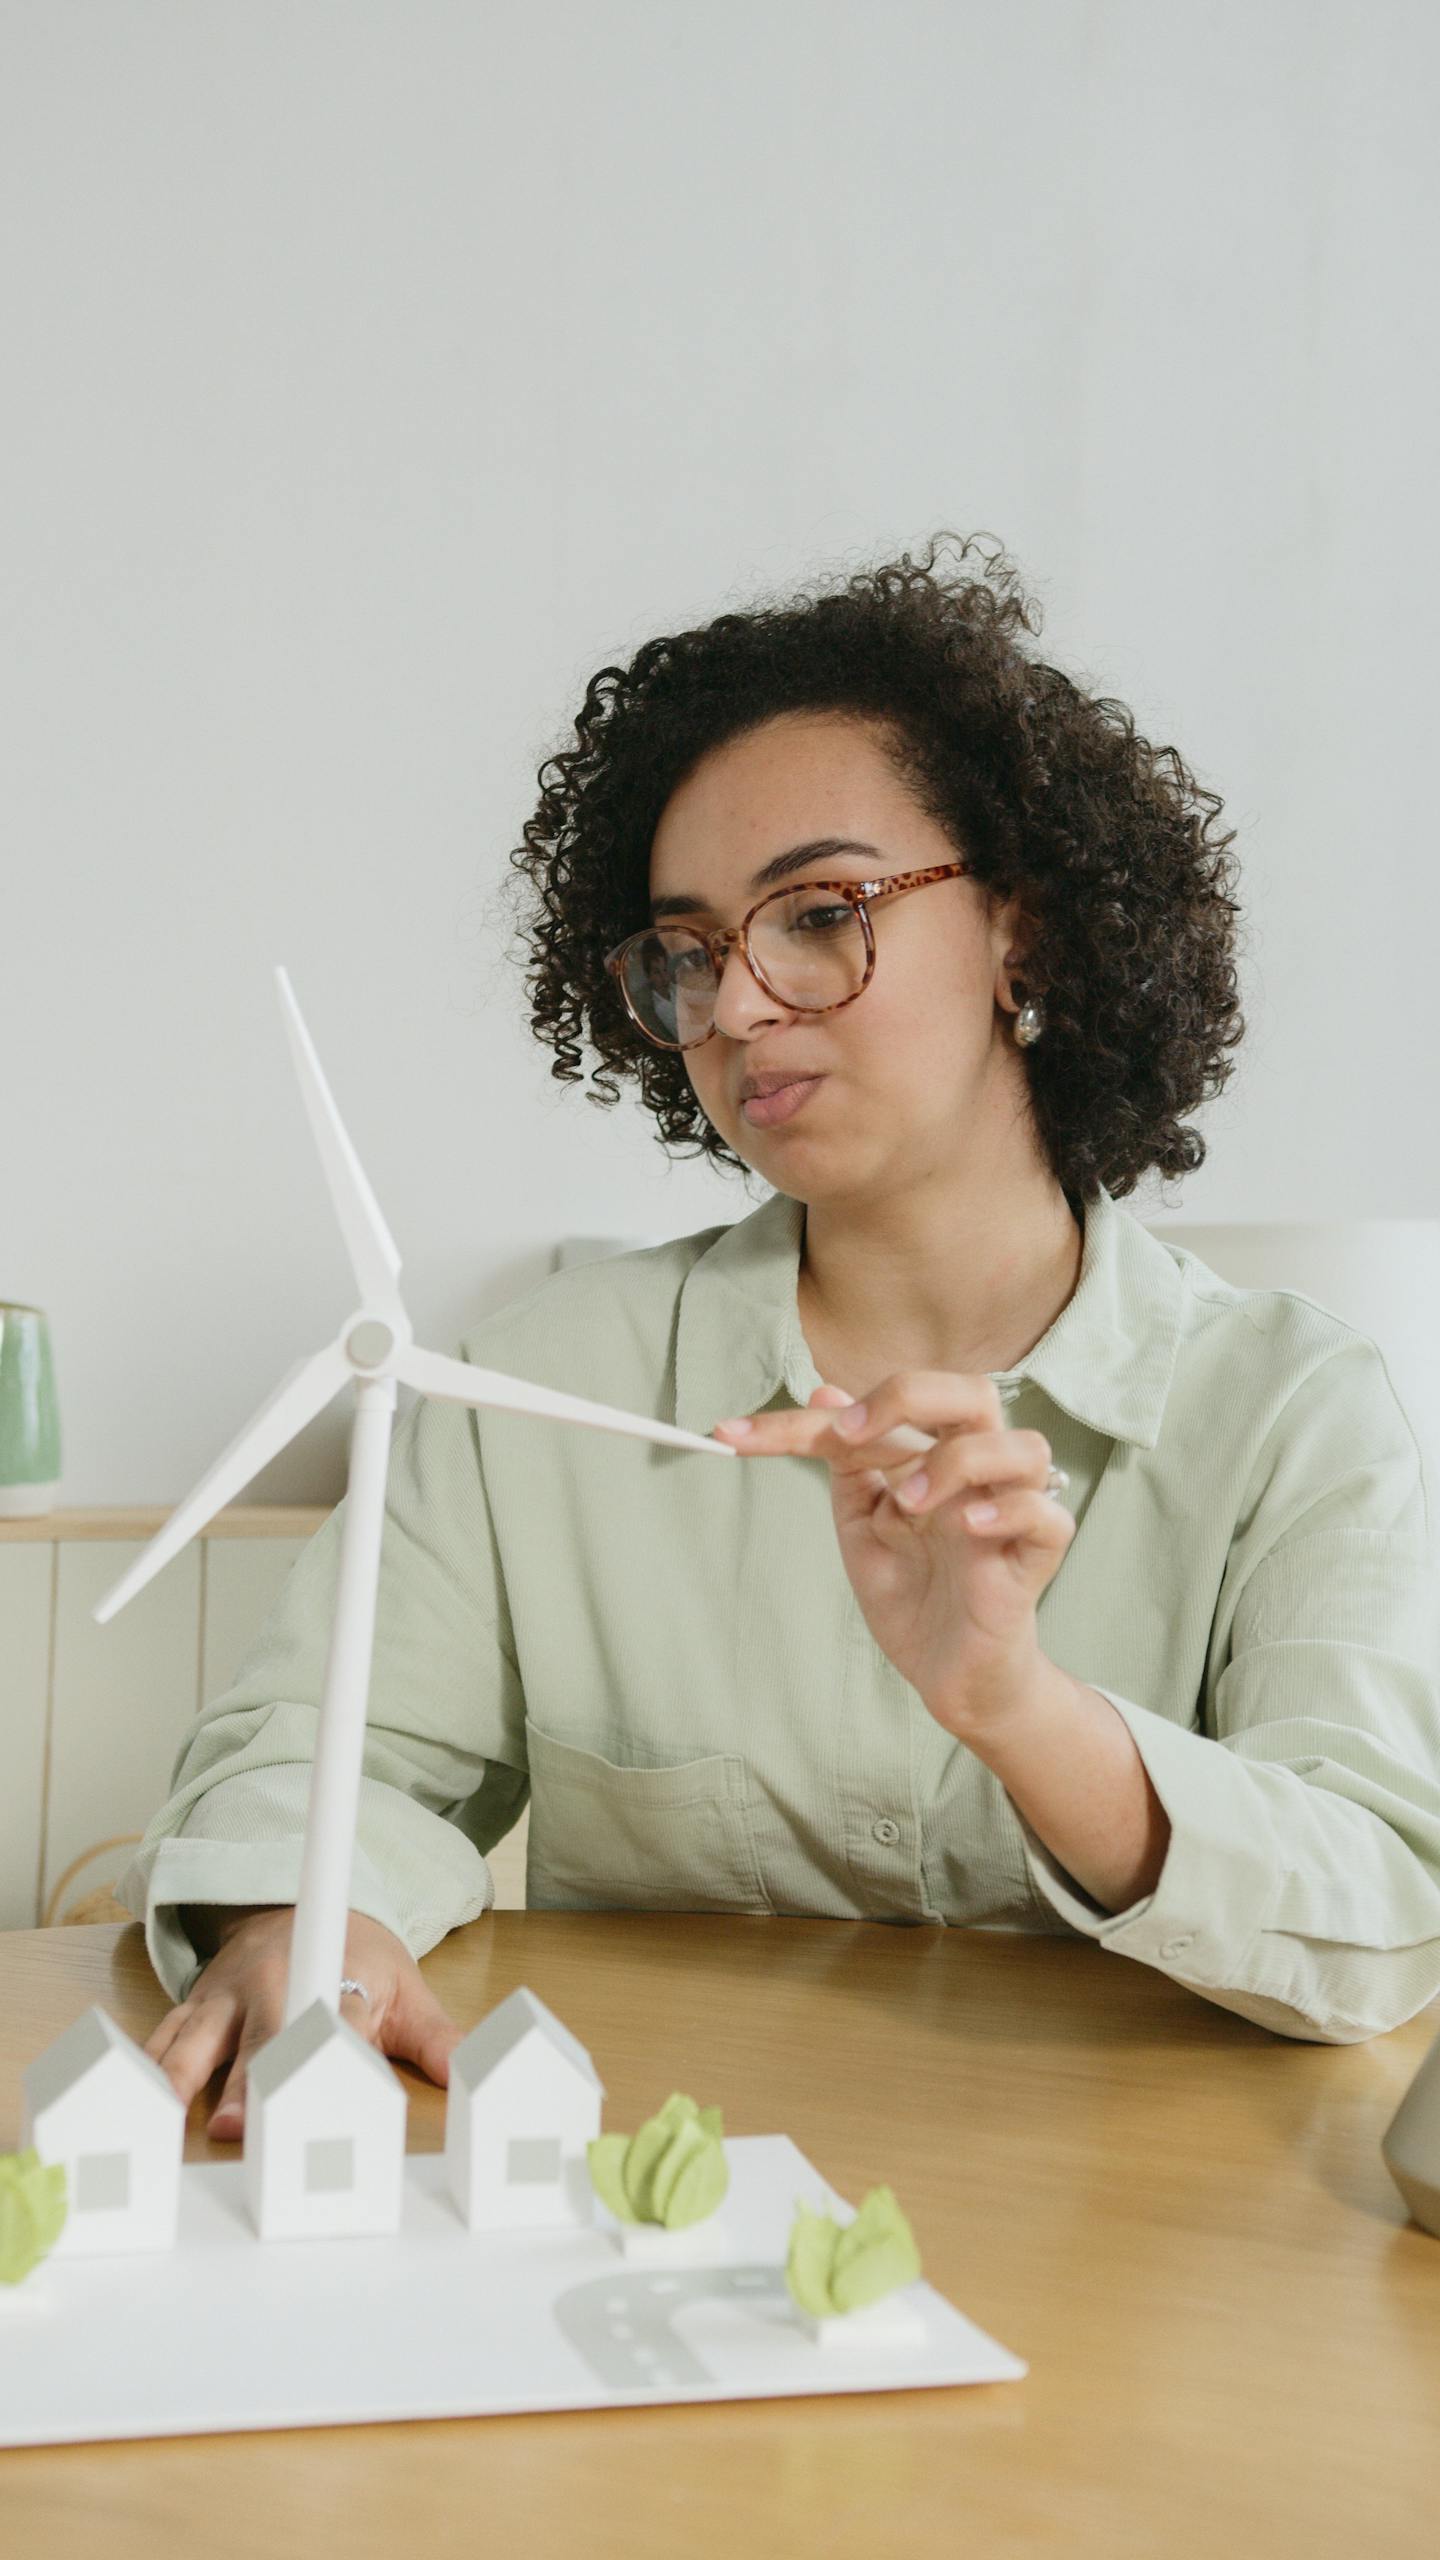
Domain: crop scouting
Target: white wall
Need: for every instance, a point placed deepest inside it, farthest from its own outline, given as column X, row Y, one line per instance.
column 377, row 371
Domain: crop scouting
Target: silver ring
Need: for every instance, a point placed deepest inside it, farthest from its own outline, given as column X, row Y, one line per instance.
column 348, row 1985
column 1055, row 1479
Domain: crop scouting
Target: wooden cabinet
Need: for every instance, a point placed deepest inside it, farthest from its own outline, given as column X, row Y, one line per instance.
column 93, row 1717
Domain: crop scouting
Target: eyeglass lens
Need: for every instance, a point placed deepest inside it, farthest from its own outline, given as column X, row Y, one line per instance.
column 807, row 946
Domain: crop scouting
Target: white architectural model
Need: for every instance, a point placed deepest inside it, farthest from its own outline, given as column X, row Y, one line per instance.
column 328, row 2150
column 898, row 2320
column 699, row 2244
column 524, row 2102
column 224, row 2332
column 374, row 1352
column 102, row 2109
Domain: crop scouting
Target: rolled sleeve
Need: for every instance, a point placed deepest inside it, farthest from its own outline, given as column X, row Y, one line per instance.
column 1301, row 1881
column 243, row 1842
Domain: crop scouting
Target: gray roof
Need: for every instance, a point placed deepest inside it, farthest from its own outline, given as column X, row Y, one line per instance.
column 295, row 2045
column 79, row 2049
column 506, row 2027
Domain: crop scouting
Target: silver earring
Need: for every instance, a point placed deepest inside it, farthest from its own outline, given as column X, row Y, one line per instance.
column 1029, row 1022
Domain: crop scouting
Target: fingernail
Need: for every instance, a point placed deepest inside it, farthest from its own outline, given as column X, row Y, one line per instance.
column 913, row 1490
column 739, row 1423
column 978, row 1511
column 854, row 1418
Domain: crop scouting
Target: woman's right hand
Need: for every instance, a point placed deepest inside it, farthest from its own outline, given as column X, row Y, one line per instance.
column 238, row 2003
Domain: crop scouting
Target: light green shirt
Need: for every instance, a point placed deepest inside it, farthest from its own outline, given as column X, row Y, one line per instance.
column 664, row 1653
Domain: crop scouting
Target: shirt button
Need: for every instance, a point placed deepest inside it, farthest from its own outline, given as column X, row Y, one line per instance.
column 1174, row 1947
column 886, row 1831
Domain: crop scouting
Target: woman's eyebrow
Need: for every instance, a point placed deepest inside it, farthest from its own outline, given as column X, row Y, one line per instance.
column 819, row 849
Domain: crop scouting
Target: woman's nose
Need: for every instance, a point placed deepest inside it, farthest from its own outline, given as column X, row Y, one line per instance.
column 740, row 999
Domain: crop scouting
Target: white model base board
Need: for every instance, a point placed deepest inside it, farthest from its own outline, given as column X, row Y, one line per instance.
column 226, row 2332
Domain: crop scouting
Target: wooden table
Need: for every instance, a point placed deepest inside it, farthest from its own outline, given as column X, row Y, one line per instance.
column 1183, row 2223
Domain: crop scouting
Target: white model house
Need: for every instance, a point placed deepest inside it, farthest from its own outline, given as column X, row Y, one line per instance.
column 524, row 2101
column 324, row 2132
column 99, row 2106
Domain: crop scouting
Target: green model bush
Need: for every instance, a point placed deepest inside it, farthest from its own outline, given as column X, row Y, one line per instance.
column 33, row 2205
column 672, row 2172
column 833, row 2267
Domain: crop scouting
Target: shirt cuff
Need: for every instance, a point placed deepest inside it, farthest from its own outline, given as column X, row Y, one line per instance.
column 180, row 1870
column 1222, row 1869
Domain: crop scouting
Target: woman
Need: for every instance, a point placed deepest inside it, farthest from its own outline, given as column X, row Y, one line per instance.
column 866, row 898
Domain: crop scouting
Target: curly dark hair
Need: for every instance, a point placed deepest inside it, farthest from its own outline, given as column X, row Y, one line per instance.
column 1127, row 922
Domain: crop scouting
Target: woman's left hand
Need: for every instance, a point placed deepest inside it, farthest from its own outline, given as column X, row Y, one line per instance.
column 951, row 1600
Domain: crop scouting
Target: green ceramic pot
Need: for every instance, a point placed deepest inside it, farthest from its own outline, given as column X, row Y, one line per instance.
column 29, row 1414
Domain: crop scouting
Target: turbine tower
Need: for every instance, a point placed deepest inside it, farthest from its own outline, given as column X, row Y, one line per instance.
column 374, row 1352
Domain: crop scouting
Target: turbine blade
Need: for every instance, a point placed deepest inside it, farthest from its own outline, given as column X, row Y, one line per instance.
column 463, row 1383
column 303, row 1392
column 374, row 1256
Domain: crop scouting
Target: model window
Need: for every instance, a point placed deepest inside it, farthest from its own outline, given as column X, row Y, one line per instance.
column 329, row 2165
column 102, row 2181
column 533, row 2164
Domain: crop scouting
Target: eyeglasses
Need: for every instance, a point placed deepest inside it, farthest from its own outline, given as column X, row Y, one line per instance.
column 812, row 947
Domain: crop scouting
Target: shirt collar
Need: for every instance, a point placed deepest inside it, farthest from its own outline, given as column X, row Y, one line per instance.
column 1108, row 1358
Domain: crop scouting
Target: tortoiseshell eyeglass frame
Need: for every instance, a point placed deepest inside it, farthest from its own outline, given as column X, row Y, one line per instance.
column 859, row 894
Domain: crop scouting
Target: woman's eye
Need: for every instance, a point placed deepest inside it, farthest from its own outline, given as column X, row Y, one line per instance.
column 822, row 919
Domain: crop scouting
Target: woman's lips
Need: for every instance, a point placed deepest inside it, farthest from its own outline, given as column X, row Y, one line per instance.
column 763, row 1110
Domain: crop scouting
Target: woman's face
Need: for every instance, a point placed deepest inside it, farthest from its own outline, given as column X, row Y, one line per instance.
column 893, row 1080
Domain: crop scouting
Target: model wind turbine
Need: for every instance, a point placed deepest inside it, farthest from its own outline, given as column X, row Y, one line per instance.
column 227, row 2337
column 374, row 1351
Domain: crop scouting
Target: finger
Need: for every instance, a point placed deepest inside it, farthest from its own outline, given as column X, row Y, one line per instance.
column 227, row 2117
column 900, row 1450
column 263, row 2019
column 158, row 2044
column 932, row 1400
column 810, row 1432
column 418, row 2031
column 858, row 1501
column 965, row 1460
column 200, row 2046
column 1030, row 1516
column 855, row 1489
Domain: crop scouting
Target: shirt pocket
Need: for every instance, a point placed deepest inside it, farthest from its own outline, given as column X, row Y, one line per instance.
column 677, row 1838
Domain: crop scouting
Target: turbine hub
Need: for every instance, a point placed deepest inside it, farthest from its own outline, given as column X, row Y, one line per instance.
column 369, row 1343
